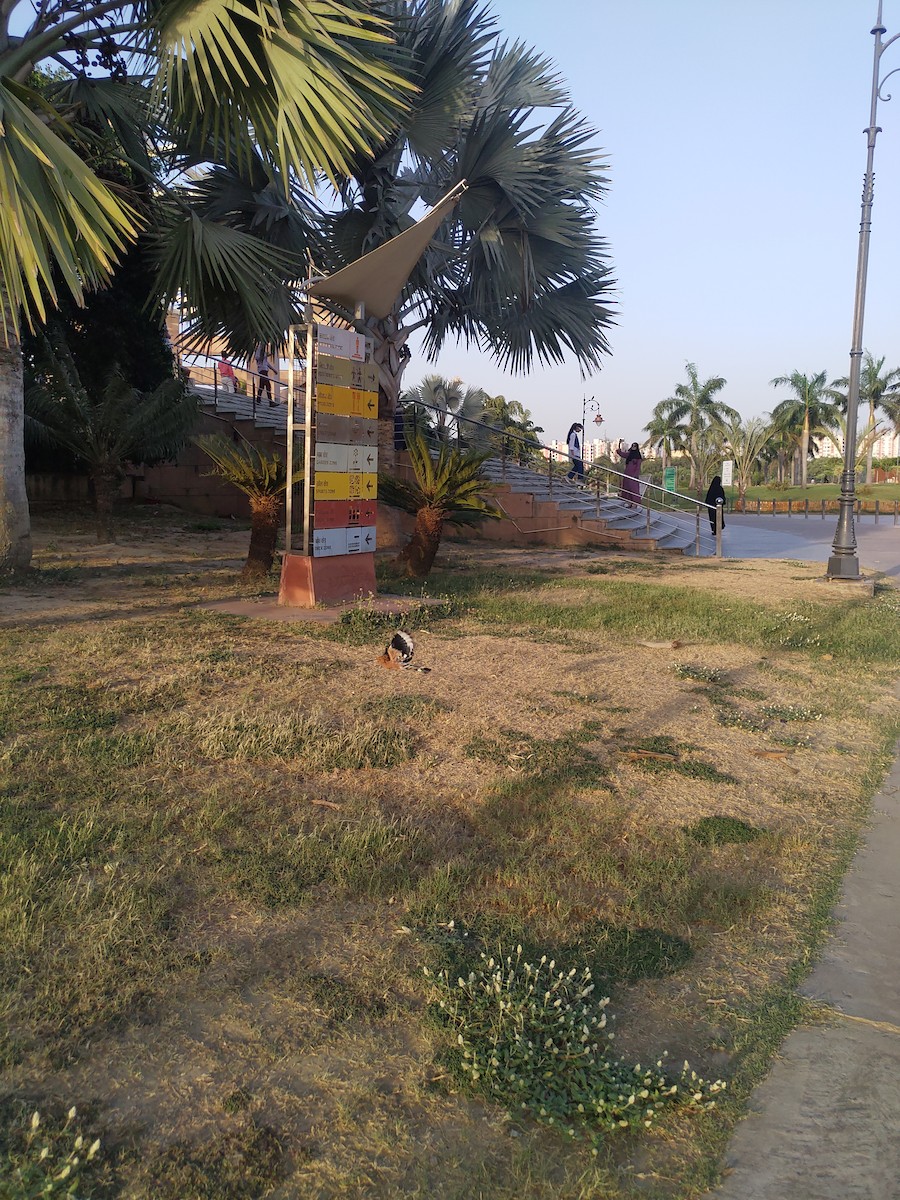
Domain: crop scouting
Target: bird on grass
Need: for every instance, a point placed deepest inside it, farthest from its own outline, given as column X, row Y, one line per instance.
column 398, row 654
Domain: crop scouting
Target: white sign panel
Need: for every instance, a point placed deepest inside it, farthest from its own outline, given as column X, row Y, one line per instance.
column 344, row 343
column 727, row 472
column 328, row 542
column 363, row 458
column 361, row 540
column 331, row 457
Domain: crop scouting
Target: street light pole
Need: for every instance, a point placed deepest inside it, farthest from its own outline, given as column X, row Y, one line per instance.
column 844, row 563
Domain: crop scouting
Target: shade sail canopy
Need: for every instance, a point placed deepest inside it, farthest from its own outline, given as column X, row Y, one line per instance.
column 377, row 279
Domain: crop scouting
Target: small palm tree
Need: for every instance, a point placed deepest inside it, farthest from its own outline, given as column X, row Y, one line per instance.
column 745, row 442
column 263, row 479
column 879, row 388
column 106, row 423
column 805, row 414
column 693, row 408
column 448, row 403
column 451, row 487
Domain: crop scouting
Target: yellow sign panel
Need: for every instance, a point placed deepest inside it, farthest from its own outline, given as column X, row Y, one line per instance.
column 335, row 400
column 334, row 485
column 363, row 485
column 365, row 404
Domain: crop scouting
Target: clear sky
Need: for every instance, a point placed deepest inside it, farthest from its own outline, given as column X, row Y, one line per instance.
column 733, row 134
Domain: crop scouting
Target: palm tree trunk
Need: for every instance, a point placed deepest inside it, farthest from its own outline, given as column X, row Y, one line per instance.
column 871, row 441
column 264, row 521
column 15, row 526
column 391, row 356
column 804, row 449
column 418, row 555
column 106, row 484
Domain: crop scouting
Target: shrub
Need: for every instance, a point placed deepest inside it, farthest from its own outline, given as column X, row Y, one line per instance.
column 534, row 1039
column 48, row 1163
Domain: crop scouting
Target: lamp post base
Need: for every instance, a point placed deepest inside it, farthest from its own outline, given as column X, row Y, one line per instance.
column 843, row 566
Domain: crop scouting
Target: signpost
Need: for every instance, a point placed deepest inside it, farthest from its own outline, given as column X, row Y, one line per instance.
column 728, row 475
column 670, row 477
column 333, row 559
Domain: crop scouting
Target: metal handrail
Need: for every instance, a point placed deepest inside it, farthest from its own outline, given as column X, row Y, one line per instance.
column 556, row 458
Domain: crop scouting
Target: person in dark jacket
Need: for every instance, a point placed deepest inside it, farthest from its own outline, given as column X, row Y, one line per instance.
column 715, row 496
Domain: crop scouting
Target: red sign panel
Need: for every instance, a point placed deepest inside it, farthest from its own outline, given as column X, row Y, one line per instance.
column 342, row 514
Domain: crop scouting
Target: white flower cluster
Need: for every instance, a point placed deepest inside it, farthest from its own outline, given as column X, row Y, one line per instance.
column 535, row 1039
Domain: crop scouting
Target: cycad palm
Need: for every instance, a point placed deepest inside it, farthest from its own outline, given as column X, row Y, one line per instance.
column 106, row 424
column 89, row 164
column 451, row 487
column 263, row 479
column 805, row 414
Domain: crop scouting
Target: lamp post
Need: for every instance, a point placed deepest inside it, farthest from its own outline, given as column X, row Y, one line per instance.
column 844, row 563
column 589, row 405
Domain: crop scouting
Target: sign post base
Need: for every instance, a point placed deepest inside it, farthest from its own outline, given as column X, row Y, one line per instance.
column 307, row 581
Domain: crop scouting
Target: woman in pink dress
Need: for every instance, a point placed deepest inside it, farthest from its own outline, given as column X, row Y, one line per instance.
column 631, row 488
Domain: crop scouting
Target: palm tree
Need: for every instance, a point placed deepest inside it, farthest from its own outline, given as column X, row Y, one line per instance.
column 879, row 389
column 104, row 421
column 451, row 488
column 866, row 437
column 745, row 441
column 805, row 413
column 511, row 429
column 665, row 434
column 517, row 268
column 694, row 408
column 447, row 404
column 91, row 163
column 263, row 479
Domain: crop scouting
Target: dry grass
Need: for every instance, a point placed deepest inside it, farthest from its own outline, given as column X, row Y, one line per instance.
column 232, row 846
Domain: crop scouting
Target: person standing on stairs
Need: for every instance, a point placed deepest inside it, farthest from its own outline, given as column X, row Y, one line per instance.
column 263, row 370
column 715, row 497
column 631, row 487
column 574, row 440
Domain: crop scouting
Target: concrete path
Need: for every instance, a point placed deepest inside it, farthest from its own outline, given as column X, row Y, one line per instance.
column 825, row 1124
column 810, row 539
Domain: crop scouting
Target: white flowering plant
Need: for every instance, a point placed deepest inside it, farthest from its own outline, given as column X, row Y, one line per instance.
column 49, row 1163
column 535, row 1039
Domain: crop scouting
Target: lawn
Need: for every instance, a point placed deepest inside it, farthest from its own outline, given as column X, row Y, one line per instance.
column 242, row 864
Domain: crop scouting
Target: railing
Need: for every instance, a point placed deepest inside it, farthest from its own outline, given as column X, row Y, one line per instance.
column 514, row 450
column 241, row 381
column 795, row 508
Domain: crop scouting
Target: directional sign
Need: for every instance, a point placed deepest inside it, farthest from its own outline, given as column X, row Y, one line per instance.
column 727, row 472
column 362, row 486
column 333, row 485
column 362, row 458
column 328, row 542
column 332, row 457
column 331, row 427
column 333, row 341
column 330, row 398
column 362, row 512
column 363, row 432
column 361, row 540
column 364, row 404
column 337, row 372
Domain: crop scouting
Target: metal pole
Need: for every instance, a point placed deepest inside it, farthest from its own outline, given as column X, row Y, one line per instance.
column 844, row 562
column 719, row 508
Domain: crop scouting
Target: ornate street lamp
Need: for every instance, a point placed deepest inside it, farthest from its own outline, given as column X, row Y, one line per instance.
column 844, row 563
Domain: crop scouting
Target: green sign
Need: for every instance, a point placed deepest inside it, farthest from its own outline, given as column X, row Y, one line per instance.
column 670, row 476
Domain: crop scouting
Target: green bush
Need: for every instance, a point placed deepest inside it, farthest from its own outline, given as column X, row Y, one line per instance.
column 534, row 1039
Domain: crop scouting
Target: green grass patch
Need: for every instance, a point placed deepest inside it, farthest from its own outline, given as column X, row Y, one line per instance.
column 719, row 831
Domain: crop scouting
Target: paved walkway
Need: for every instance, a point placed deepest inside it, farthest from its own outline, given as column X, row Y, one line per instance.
column 825, row 1124
column 810, row 539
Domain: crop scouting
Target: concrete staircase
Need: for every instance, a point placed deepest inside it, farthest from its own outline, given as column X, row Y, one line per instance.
column 235, row 406
column 529, row 501
column 564, row 514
